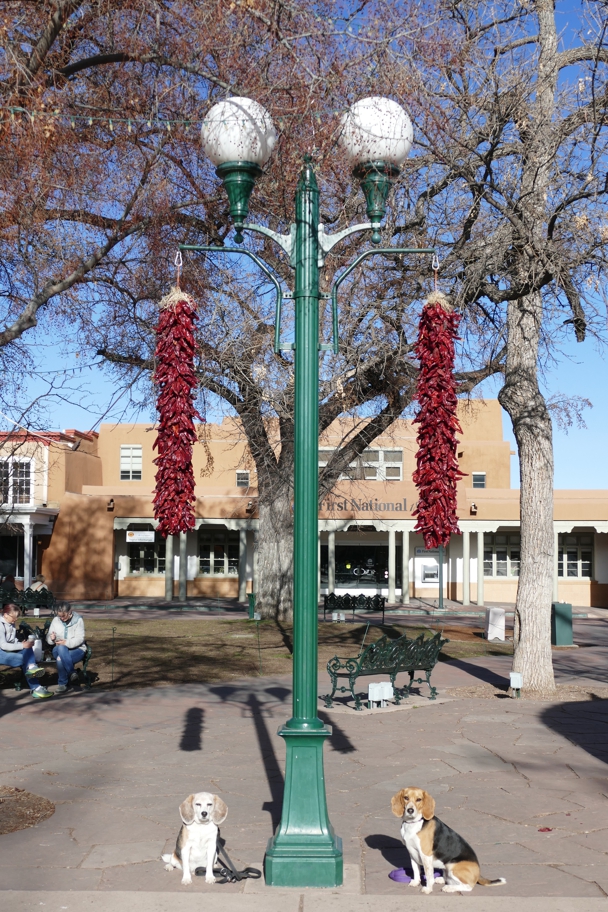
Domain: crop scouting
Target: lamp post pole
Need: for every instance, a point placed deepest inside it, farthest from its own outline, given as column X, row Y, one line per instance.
column 305, row 850
column 238, row 136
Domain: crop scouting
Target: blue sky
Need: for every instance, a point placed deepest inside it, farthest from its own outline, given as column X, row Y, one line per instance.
column 580, row 454
column 581, row 459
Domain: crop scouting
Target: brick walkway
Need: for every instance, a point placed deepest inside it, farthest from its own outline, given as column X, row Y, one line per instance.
column 525, row 782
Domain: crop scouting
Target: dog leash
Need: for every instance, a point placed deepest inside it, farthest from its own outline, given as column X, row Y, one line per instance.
column 227, row 868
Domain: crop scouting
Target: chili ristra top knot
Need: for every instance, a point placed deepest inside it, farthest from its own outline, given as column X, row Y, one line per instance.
column 437, row 297
column 437, row 471
column 175, row 378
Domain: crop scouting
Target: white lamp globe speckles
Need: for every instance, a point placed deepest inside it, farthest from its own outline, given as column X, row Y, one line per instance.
column 376, row 129
column 238, row 129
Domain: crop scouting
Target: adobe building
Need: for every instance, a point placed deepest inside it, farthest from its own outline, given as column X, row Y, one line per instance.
column 78, row 508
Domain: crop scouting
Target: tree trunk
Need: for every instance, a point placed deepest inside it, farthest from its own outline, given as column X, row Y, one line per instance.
column 275, row 554
column 522, row 399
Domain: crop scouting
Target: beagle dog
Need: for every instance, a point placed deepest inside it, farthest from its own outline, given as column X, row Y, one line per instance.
column 432, row 844
column 196, row 844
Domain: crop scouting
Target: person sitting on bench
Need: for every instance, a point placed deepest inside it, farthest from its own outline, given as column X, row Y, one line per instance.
column 39, row 584
column 66, row 636
column 20, row 655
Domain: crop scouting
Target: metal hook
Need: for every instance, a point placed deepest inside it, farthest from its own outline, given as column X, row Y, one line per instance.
column 179, row 263
column 435, row 268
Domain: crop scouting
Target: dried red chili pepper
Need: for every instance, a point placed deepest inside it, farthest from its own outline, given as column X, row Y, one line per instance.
column 176, row 380
column 437, row 470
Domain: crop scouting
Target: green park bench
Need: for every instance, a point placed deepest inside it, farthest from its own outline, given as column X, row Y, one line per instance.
column 28, row 598
column 347, row 602
column 390, row 657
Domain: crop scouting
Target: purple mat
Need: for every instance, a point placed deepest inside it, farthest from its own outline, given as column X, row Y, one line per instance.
column 403, row 875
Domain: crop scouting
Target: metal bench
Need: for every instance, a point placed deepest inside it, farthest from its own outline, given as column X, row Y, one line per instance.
column 28, row 598
column 389, row 657
column 347, row 602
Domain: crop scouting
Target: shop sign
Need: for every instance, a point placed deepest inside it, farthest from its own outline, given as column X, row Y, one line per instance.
column 140, row 536
column 362, row 506
column 421, row 552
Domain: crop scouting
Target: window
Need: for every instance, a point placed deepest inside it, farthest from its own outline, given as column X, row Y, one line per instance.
column 218, row 553
column 575, row 556
column 11, row 555
column 15, row 481
column 147, row 558
column 130, row 463
column 242, row 479
column 371, row 465
column 501, row 554
column 479, row 479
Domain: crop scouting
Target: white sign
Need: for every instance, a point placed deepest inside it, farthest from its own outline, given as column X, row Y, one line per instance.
column 140, row 536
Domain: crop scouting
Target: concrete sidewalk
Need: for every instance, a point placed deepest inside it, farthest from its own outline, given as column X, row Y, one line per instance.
column 525, row 782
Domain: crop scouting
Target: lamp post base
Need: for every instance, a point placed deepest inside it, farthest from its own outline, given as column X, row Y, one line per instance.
column 305, row 851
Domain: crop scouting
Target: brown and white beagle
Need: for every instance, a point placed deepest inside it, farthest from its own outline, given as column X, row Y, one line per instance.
column 432, row 844
column 196, row 845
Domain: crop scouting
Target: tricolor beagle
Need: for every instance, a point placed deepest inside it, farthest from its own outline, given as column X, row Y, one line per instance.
column 197, row 839
column 432, row 844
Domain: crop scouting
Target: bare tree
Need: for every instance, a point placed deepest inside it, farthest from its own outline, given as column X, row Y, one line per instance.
column 505, row 180
column 101, row 178
column 514, row 123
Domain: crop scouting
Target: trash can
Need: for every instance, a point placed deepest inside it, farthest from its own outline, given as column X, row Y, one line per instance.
column 251, row 597
column 561, row 624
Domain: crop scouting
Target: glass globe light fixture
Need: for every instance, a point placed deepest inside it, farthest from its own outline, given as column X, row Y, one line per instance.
column 238, row 135
column 377, row 136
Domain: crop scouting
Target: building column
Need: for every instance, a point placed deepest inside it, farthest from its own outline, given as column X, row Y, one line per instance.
column 391, row 566
column 466, row 568
column 168, row 568
column 28, row 541
column 183, row 566
column 318, row 564
column 331, row 561
column 405, row 568
column 242, row 565
column 254, row 581
column 555, row 565
column 480, row 568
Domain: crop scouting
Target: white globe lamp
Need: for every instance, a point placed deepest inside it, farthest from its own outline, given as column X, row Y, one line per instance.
column 238, row 135
column 376, row 136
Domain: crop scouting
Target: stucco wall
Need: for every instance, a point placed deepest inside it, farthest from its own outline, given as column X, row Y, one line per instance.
column 78, row 563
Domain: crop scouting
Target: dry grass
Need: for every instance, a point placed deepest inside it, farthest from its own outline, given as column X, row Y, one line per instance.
column 564, row 693
column 182, row 650
column 20, row 809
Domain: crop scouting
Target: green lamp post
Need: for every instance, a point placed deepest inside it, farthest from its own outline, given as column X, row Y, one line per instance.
column 238, row 136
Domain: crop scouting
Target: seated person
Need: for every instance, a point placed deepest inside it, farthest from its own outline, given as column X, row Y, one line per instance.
column 20, row 655
column 66, row 635
column 39, row 584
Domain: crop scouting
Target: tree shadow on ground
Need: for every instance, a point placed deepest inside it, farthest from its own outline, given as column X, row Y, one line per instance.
column 487, row 675
column 584, row 723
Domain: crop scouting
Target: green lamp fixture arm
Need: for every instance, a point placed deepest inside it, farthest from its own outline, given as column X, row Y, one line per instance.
column 328, row 241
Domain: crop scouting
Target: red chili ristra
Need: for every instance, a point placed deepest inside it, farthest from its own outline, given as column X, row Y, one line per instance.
column 437, row 470
column 176, row 380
